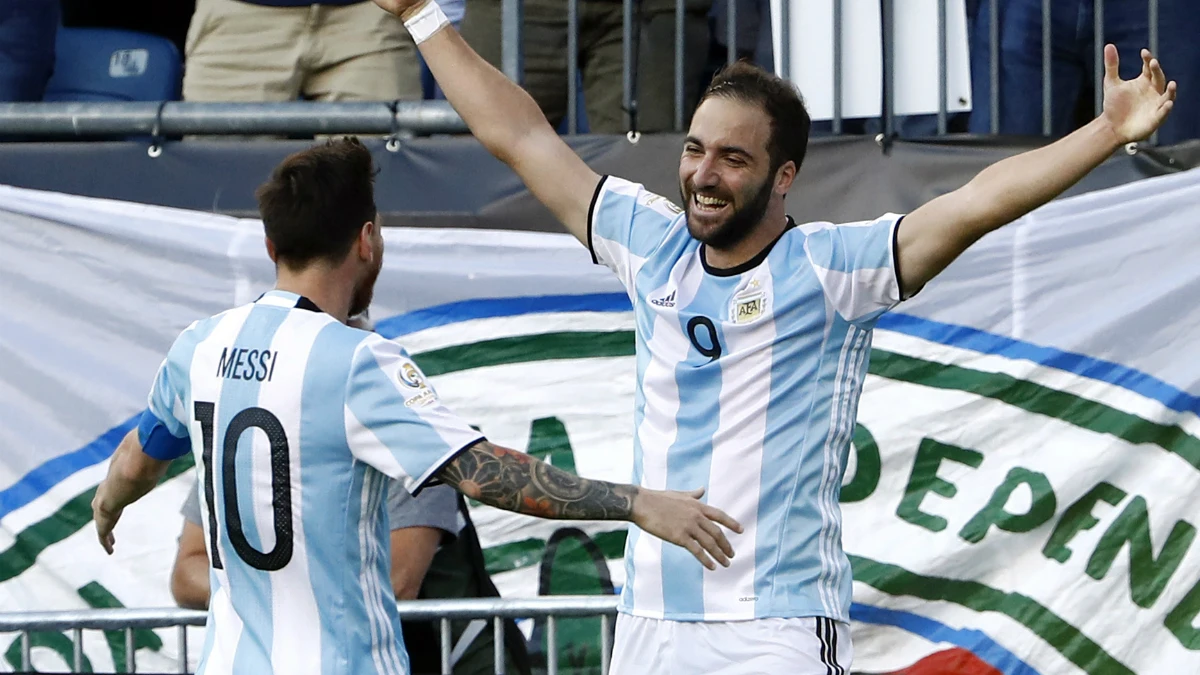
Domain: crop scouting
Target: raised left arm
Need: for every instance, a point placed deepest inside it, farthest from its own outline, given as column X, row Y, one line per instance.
column 515, row 481
column 931, row 237
column 131, row 474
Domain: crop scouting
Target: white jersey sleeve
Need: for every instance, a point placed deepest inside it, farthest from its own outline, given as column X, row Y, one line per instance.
column 856, row 265
column 394, row 419
column 162, row 429
column 626, row 223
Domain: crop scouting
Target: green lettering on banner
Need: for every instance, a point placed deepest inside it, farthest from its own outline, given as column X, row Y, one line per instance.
column 548, row 441
column 1077, row 518
column 924, row 479
column 1148, row 575
column 1041, row 510
column 100, row 597
column 59, row 643
column 1181, row 621
column 866, row 469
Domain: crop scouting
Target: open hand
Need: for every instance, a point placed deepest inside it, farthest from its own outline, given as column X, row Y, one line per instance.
column 400, row 8
column 1136, row 108
column 682, row 519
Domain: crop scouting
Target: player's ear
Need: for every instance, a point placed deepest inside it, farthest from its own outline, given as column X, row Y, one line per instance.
column 784, row 176
column 271, row 250
column 366, row 243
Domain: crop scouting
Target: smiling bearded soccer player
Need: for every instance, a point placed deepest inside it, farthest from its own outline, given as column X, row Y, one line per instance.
column 753, row 335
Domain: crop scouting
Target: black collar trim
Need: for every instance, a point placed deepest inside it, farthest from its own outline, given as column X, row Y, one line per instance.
column 749, row 264
column 305, row 303
column 301, row 303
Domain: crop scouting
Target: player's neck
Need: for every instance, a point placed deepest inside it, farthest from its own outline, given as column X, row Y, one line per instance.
column 772, row 225
column 319, row 285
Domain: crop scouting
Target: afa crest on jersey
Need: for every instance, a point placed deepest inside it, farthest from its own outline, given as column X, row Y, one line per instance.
column 748, row 304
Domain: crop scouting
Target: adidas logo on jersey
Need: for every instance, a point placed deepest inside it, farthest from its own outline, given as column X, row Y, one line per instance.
column 668, row 301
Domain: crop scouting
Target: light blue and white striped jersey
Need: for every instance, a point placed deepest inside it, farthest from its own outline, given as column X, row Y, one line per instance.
column 296, row 422
column 748, row 385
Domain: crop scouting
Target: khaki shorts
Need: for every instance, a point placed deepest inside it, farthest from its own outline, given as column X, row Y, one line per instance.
column 237, row 51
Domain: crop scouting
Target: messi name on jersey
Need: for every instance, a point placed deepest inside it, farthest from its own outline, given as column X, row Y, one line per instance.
column 247, row 364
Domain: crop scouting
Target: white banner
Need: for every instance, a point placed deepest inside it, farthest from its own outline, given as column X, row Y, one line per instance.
column 1020, row 498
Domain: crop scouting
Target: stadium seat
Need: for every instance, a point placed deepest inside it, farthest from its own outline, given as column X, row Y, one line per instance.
column 101, row 64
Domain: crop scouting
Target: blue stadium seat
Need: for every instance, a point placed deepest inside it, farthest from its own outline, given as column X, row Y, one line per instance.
column 101, row 64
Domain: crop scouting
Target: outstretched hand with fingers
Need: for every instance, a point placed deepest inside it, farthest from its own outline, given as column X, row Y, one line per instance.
column 1136, row 108
column 682, row 519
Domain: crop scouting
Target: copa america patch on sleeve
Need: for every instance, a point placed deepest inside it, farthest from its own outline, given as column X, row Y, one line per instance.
column 416, row 390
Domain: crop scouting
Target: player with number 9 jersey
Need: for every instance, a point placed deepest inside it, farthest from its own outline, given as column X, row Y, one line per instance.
column 748, row 383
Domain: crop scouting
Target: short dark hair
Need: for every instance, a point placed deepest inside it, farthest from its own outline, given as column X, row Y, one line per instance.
column 317, row 201
column 743, row 81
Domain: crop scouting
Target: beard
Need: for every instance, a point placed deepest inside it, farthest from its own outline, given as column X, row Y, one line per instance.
column 739, row 225
column 365, row 291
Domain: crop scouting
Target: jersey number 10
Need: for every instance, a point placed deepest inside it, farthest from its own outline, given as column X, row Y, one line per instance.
column 281, row 486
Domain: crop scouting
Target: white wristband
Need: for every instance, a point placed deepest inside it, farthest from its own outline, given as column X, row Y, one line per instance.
column 429, row 20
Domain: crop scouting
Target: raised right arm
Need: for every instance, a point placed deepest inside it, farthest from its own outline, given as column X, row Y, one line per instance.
column 508, row 122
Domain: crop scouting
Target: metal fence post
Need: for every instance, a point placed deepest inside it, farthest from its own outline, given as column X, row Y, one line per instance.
column 837, row 66
column 1098, row 39
column 943, row 76
column 498, row 645
column 77, row 648
column 444, row 644
column 551, row 646
column 511, row 46
column 183, row 649
column 629, row 100
column 889, row 70
column 1152, row 10
column 1047, row 71
column 679, row 49
column 994, row 61
column 605, row 645
column 731, row 19
column 785, row 39
column 572, row 67
column 130, row 652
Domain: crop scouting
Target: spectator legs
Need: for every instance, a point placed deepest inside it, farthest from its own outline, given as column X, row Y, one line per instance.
column 27, row 30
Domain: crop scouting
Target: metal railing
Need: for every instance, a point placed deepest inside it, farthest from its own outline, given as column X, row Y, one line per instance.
column 549, row 608
column 178, row 118
column 427, row 117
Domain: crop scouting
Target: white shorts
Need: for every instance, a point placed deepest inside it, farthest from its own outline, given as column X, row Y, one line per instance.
column 801, row 646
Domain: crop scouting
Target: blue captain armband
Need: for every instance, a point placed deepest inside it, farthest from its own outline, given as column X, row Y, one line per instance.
column 158, row 442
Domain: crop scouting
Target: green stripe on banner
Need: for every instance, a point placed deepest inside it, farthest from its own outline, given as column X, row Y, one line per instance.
column 1035, row 398
column 63, row 523
column 1053, row 629
column 526, row 348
